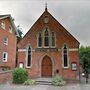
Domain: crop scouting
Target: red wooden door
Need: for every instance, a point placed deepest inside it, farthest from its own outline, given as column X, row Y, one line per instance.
column 46, row 67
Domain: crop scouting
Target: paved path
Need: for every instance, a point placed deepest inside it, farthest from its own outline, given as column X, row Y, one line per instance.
column 7, row 86
column 83, row 80
column 82, row 86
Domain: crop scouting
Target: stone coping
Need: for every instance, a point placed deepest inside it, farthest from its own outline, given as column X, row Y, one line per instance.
column 2, row 72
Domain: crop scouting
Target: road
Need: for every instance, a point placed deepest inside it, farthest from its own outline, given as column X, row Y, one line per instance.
column 7, row 86
column 69, row 86
column 83, row 80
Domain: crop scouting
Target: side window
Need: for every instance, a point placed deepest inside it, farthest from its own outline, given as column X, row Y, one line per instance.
column 5, row 56
column 10, row 28
column 65, row 56
column 3, row 25
column 6, row 41
column 29, row 56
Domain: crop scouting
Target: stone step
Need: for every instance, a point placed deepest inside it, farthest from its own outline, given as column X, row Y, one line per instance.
column 44, row 82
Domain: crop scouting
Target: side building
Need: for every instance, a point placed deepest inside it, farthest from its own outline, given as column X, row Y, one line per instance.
column 8, row 42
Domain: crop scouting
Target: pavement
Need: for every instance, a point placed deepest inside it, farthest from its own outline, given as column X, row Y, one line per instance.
column 7, row 86
column 83, row 80
column 69, row 86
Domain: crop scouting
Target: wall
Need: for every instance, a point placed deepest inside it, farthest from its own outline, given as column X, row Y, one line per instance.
column 5, row 76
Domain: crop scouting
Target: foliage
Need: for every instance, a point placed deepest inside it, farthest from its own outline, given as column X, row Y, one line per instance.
column 58, row 81
column 29, row 82
column 20, row 75
column 20, row 33
column 84, row 53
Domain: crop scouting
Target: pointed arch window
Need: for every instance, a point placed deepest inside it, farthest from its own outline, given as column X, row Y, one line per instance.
column 46, row 38
column 29, row 56
column 65, row 56
column 39, row 40
column 53, row 39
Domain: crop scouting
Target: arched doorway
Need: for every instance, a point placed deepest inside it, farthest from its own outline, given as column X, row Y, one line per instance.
column 46, row 68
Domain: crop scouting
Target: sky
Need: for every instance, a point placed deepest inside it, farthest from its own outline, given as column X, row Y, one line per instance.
column 74, row 15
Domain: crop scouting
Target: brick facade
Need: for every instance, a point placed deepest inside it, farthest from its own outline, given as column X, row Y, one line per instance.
column 54, row 53
column 4, row 75
column 12, row 41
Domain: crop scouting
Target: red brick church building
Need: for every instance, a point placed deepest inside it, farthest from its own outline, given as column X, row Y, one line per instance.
column 48, row 49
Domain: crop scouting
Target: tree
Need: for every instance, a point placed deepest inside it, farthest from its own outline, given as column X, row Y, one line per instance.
column 20, row 33
column 19, row 37
column 84, row 53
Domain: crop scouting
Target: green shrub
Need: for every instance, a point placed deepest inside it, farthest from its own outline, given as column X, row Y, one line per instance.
column 20, row 75
column 29, row 82
column 58, row 81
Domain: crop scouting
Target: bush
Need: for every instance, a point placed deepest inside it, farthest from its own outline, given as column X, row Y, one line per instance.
column 58, row 81
column 20, row 75
column 29, row 82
